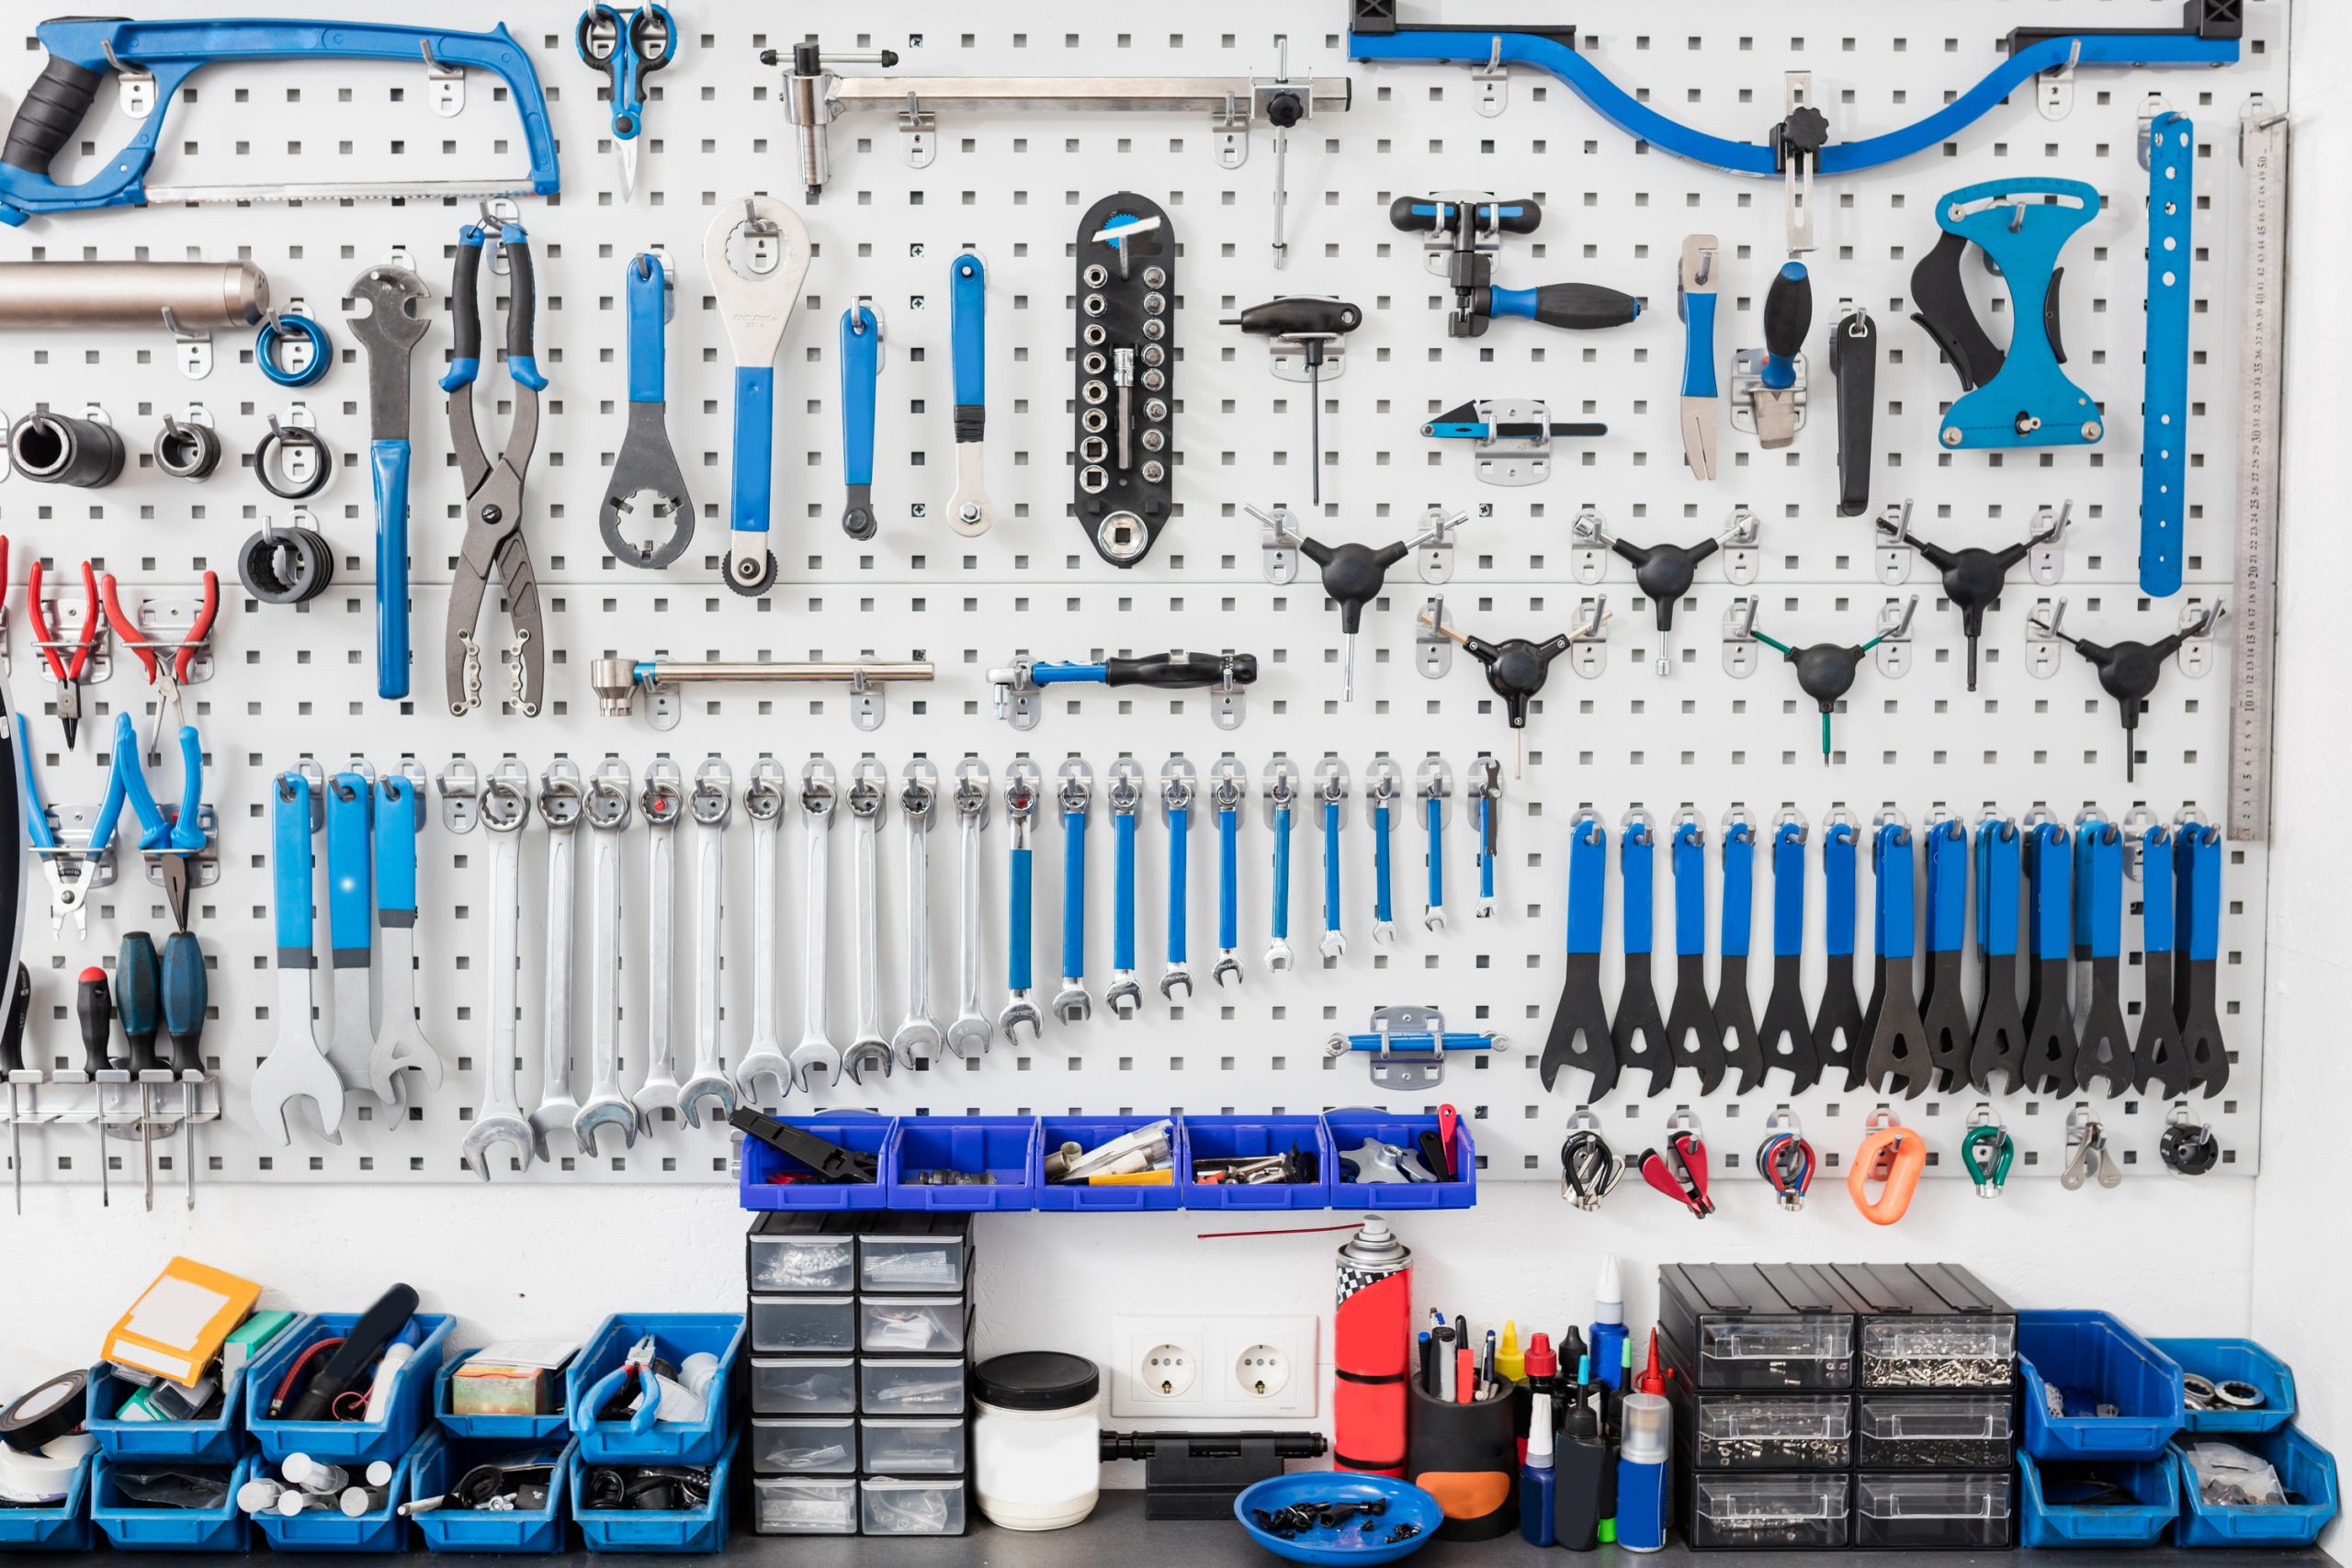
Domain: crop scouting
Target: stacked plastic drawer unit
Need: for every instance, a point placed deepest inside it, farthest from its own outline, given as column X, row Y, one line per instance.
column 861, row 1330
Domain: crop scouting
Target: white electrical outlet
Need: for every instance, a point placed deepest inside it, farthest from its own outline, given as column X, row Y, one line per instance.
column 1240, row 1368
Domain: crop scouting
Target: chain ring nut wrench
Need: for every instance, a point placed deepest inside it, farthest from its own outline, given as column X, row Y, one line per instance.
column 764, row 1057
column 919, row 1038
column 969, row 1034
column 867, row 798
column 817, row 1055
column 710, row 804
column 755, row 308
column 609, row 808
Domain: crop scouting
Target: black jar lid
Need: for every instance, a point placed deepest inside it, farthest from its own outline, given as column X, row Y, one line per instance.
column 1036, row 1379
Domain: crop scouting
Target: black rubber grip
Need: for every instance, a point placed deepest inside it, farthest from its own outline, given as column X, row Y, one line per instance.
column 1853, row 359
column 1946, row 315
column 1788, row 312
column 366, row 1340
column 50, row 113
column 94, row 1010
column 1523, row 217
column 971, row 423
column 1584, row 306
column 1162, row 669
column 522, row 303
column 465, row 304
column 1298, row 314
column 135, row 999
column 12, row 1034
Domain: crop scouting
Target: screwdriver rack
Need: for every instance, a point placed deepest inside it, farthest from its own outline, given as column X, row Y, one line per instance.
column 1606, row 732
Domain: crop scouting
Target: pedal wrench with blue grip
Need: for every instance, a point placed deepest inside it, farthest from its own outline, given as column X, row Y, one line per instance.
column 1999, row 1044
column 1580, row 1034
column 1787, row 1028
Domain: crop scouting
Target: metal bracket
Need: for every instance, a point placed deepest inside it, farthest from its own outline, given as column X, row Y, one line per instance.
column 1739, row 638
column 500, row 213
column 460, row 787
column 2043, row 652
column 1588, row 556
column 1280, row 541
column 1283, row 778
column 203, row 862
column 868, row 708
column 1515, row 459
column 1796, row 174
column 1896, row 555
column 296, row 460
column 1438, row 248
column 1740, row 555
column 194, row 345
column 445, row 84
column 137, row 84
column 1434, row 558
column 1017, row 697
column 1881, row 1120
column 1588, row 655
column 1382, row 775
column 1893, row 654
column 2046, row 562
column 1229, row 125
column 65, row 617
column 1433, row 649
column 2195, row 657
column 918, row 134
column 166, row 624
column 1494, row 82
column 2054, row 88
column 1179, row 785
column 1405, row 1071
column 1232, row 701
column 1748, row 379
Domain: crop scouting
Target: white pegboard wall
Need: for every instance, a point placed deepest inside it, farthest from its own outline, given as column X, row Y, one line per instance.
column 300, row 684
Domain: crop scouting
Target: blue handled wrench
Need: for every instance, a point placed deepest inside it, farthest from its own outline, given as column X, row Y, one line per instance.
column 389, row 331
column 756, row 256
column 647, row 466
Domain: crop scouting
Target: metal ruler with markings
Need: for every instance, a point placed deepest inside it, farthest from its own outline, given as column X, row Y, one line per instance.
column 2262, row 158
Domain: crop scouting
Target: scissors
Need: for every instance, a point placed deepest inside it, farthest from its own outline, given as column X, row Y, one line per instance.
column 628, row 47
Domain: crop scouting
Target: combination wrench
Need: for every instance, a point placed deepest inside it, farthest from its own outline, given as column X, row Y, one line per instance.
column 1178, row 787
column 867, row 1049
column 1075, row 793
column 1384, row 791
column 918, row 1039
column 351, row 904
column 764, row 1057
column 662, row 802
column 609, row 813
column 562, row 803
column 506, row 806
column 1228, row 784
column 1021, row 787
column 710, row 804
column 1124, row 796
column 400, row 1044
column 817, row 1053
column 294, row 1068
column 969, row 1034
column 1332, row 795
column 1282, row 816
column 1433, row 782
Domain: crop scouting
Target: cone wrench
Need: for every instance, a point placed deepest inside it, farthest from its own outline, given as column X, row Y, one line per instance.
column 294, row 1069
column 606, row 1106
column 1123, row 796
column 710, row 805
column 1228, row 783
column 506, row 806
column 918, row 1039
column 1021, row 787
column 867, row 1049
column 969, row 1034
column 1282, row 816
column 351, row 909
column 662, row 801
column 816, row 1054
column 400, row 1044
column 764, row 1058
column 1178, row 788
column 561, row 804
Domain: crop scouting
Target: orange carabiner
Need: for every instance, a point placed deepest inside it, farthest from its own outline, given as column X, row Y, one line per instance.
column 1906, row 1154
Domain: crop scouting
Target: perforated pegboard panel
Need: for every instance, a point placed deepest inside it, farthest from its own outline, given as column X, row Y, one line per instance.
column 299, row 683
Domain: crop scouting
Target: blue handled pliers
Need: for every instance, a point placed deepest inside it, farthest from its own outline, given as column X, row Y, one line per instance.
column 637, row 1365
column 628, row 47
column 171, row 841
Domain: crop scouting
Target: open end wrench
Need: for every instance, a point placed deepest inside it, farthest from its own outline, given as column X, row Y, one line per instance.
column 764, row 1057
column 351, row 800
column 1076, row 795
column 662, row 802
column 1433, row 782
column 294, row 1068
column 817, row 1055
column 1331, row 797
column 919, row 1039
column 562, row 802
column 1486, row 790
column 1282, row 816
column 1177, row 788
column 970, row 1033
column 1228, row 784
column 506, row 806
column 1021, row 786
column 606, row 1106
column 1125, row 795
column 867, row 798
column 400, row 1044
column 1383, row 790
column 710, row 804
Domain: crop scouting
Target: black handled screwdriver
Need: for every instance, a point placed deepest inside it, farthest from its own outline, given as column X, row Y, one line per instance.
column 94, row 1005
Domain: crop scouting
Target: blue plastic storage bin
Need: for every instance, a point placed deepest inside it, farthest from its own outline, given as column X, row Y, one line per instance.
column 437, row 1464
column 63, row 1527
column 169, row 1530
column 519, row 1428
column 221, row 1441
column 331, row 1529
column 2305, row 1469
column 2092, row 1359
column 658, row 1529
column 2153, row 1485
column 679, row 1334
column 1087, row 1132
column 1217, row 1137
column 345, row 1442
column 2240, row 1360
column 1004, row 1147
column 1348, row 1130
column 859, row 1130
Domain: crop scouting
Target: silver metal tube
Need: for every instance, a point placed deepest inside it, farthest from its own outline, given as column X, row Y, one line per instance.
column 200, row 295
column 828, row 670
column 1202, row 94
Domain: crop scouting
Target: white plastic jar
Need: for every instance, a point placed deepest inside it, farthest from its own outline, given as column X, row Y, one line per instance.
column 1036, row 1440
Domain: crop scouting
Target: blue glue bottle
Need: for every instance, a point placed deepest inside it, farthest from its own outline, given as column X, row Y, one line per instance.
column 1535, row 1478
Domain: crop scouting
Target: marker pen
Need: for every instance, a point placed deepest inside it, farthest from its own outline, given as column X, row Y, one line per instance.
column 1444, row 1339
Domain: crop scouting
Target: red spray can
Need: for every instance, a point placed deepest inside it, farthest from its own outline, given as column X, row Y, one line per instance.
column 1371, row 1350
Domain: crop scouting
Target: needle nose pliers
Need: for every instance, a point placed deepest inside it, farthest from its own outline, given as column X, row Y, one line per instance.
column 68, row 671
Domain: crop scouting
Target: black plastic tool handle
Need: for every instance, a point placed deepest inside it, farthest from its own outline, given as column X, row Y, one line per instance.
column 12, row 1034
column 1175, row 673
column 135, row 1000
column 50, row 114
column 522, row 304
column 1420, row 214
column 1788, row 311
column 366, row 1340
column 465, row 312
column 94, row 1005
column 1298, row 315
column 187, row 992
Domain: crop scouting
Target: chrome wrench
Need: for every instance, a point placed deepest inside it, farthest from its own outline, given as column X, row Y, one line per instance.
column 1433, row 783
column 1228, row 784
column 351, row 930
column 400, row 1044
column 756, row 307
column 294, row 1069
column 817, row 1053
column 1177, row 789
column 919, row 1039
column 506, row 806
column 1076, row 795
column 1281, row 813
column 969, row 1034
column 867, row 1049
column 1124, row 796
column 1021, row 787
column 609, row 813
column 562, row 803
column 662, row 801
column 1332, row 795
column 764, row 1058
column 710, row 805
column 1384, row 791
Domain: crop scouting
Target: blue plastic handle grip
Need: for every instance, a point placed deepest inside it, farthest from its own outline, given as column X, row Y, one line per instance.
column 289, row 869
column 1383, row 907
column 645, row 293
column 2049, row 868
column 1588, row 885
column 2156, row 894
column 967, row 327
column 37, row 826
column 2163, row 460
column 2098, row 890
column 1180, row 838
column 1739, row 889
column 1896, row 920
column 1433, row 822
column 1637, row 869
column 1837, row 889
column 1228, row 874
column 1690, row 891
column 1331, row 866
column 396, row 830
column 388, row 466
column 1788, row 890
column 1485, row 836
column 350, row 898
column 1074, row 896
column 1123, row 892
column 1998, row 847
column 754, row 448
column 187, row 827
column 1947, row 887
column 2197, row 861
column 127, row 782
column 861, row 370
column 1698, row 313
column 1069, row 674
column 1017, row 959
column 1281, row 872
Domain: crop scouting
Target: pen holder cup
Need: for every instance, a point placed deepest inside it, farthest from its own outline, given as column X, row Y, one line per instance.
column 1466, row 1456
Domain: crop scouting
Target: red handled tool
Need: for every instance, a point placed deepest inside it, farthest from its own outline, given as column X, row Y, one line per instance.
column 67, row 672
column 166, row 666
column 1680, row 1172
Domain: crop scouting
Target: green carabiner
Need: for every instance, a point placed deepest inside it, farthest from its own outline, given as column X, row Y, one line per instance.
column 1988, row 1151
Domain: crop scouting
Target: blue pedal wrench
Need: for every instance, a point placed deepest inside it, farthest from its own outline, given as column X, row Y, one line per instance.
column 1943, row 1007
column 1579, row 1035
column 1999, row 1046
column 2103, row 1041
column 755, row 306
column 2049, row 1043
column 861, row 379
column 84, row 50
column 1787, row 1034
column 1733, row 1008
column 2018, row 396
column 2197, row 938
column 647, row 466
column 1840, row 1035
column 2163, row 401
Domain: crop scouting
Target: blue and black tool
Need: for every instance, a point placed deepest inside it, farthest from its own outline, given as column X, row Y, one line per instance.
column 1691, row 1029
column 647, row 467
column 1999, row 1044
column 2162, row 1057
column 1776, row 396
column 861, row 383
column 628, row 47
column 389, row 331
column 1943, row 1009
column 2050, row 1040
column 2103, row 1041
column 1733, row 1008
column 1579, row 1036
column 1787, row 1036
column 1637, row 1030
column 1839, row 1034
column 2197, row 939
column 1896, row 1060
column 1826, row 671
column 1467, row 228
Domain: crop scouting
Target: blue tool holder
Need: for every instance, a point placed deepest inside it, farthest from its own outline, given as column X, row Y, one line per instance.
column 861, row 347
column 2029, row 400
column 381, row 1529
column 1788, row 890
column 2095, row 1361
column 132, row 1527
column 1837, row 859
column 2307, row 1475
column 1053, row 1132
column 1587, row 884
column 1005, row 1148
column 1215, row 1137
column 702, row 1529
column 1348, row 1129
column 1998, row 852
column 215, row 1442
column 409, row 1413
column 62, row 1526
column 1637, row 871
column 439, row 1461
column 1739, row 888
column 862, row 1132
column 1947, row 853
column 2050, row 877
column 1894, row 916
column 521, row 1429
column 2151, row 1486
column 1689, row 858
column 2163, row 401
column 2235, row 1360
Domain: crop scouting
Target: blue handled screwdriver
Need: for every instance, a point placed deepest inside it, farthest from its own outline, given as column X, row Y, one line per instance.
column 187, row 995
column 135, row 985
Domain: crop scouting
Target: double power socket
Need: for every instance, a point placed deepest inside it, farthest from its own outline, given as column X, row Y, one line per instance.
column 1226, row 1367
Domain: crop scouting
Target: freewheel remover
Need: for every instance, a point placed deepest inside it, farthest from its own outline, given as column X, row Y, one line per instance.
column 562, row 803
column 607, row 1105
column 867, row 1049
column 817, row 1053
column 711, row 803
column 764, row 1057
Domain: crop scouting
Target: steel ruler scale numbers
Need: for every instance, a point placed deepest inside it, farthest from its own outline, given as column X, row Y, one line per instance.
column 933, row 609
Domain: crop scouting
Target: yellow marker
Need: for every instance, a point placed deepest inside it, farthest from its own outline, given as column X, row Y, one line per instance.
column 1510, row 1360
column 1134, row 1178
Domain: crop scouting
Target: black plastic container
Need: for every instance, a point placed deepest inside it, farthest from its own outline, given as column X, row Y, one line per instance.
column 1719, row 1430
column 1738, row 1512
column 1742, row 1325
column 1467, row 1458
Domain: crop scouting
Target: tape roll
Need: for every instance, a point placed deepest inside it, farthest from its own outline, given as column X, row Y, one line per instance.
column 45, row 1411
column 46, row 1476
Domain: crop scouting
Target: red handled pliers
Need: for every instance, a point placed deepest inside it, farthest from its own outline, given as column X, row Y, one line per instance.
column 166, row 666
column 1680, row 1172
column 69, row 675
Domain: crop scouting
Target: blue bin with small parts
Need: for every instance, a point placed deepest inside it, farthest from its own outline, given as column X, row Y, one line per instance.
column 133, row 1528
column 389, row 1437
column 440, row 1462
column 1092, row 1132
column 2093, row 1361
column 1003, row 1147
column 217, row 1440
column 676, row 1336
column 2235, row 1360
column 63, row 1526
column 2306, row 1474
column 522, row 1428
column 656, row 1530
column 1348, row 1130
column 860, row 1130
column 2124, row 1501
column 382, row 1528
column 1251, row 1138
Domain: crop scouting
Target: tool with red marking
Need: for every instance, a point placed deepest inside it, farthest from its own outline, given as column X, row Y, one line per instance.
column 167, row 666
column 1680, row 1171
column 69, row 671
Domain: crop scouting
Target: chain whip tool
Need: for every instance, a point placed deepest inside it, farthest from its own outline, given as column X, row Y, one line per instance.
column 919, row 1039
column 648, row 466
column 351, row 906
column 1021, row 786
column 1228, row 784
column 756, row 307
column 606, row 1106
column 967, row 326
column 562, row 803
column 1075, row 793
column 390, row 333
column 505, row 807
column 1125, row 795
column 1281, row 813
column 1177, row 791
column 868, row 798
column 710, row 804
column 764, row 1057
column 968, row 1036
column 817, row 1055
column 294, row 1068
column 1330, row 797
column 400, row 1039
column 662, row 801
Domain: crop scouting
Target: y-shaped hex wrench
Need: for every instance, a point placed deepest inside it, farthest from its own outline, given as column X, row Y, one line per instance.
column 868, row 798
column 817, row 1053
column 1021, row 787
column 400, row 1039
column 918, row 1039
column 295, row 1069
column 562, row 802
column 1282, row 816
column 662, row 801
column 607, row 1105
column 1076, row 796
column 710, row 804
column 1228, row 784
column 1178, row 787
column 968, row 1036
column 506, row 806
column 1124, row 796
column 764, row 1057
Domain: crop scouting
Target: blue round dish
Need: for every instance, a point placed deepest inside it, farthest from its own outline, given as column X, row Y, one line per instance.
column 1408, row 1503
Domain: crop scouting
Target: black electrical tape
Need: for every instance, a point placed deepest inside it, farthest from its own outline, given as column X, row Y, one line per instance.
column 187, row 451
column 44, row 1412
column 265, row 452
column 286, row 566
